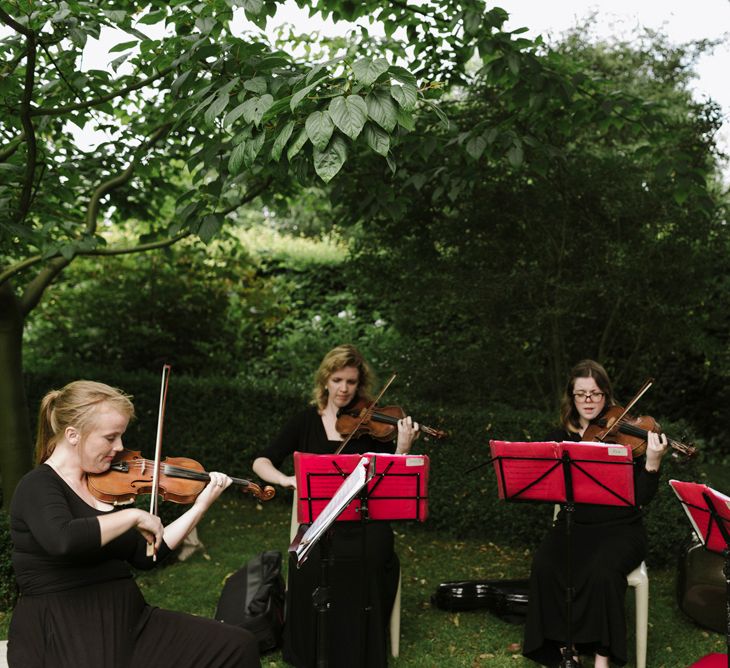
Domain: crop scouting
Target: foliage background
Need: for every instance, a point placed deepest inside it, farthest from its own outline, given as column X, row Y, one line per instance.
column 564, row 201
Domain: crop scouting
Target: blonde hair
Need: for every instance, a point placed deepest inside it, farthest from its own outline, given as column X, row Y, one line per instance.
column 336, row 359
column 74, row 405
column 569, row 417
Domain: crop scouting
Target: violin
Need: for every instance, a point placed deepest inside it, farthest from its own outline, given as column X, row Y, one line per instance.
column 180, row 480
column 632, row 432
column 380, row 422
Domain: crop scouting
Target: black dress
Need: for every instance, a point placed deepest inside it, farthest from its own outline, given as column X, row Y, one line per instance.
column 356, row 638
column 608, row 542
column 79, row 605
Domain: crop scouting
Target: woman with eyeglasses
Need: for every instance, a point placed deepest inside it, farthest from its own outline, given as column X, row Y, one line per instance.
column 607, row 543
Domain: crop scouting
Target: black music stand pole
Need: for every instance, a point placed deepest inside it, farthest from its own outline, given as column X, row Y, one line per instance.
column 569, row 507
column 722, row 527
column 321, row 597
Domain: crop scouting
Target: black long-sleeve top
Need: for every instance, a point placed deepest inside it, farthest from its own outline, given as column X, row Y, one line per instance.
column 646, row 484
column 57, row 539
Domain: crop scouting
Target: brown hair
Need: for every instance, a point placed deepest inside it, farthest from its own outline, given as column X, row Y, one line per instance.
column 74, row 405
column 569, row 417
column 336, row 359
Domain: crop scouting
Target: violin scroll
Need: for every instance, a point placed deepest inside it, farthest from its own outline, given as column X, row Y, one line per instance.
column 262, row 494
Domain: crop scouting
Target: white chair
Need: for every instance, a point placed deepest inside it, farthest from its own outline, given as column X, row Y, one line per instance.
column 394, row 625
column 639, row 580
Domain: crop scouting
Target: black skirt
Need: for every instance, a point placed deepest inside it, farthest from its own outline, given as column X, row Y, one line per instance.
column 602, row 557
column 109, row 625
column 361, row 596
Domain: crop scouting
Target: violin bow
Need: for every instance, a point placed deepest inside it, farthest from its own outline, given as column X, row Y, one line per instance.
column 151, row 550
column 364, row 414
column 647, row 384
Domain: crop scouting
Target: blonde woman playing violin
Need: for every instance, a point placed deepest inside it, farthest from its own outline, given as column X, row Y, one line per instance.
column 342, row 378
column 79, row 605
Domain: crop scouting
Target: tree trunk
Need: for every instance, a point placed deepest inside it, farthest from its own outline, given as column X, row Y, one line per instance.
column 15, row 437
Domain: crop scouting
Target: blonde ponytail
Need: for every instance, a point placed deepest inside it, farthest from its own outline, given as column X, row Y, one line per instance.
column 74, row 405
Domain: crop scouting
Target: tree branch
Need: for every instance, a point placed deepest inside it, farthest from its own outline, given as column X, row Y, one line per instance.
column 11, row 147
column 57, row 111
column 30, row 139
column 35, row 289
column 18, row 27
column 95, row 203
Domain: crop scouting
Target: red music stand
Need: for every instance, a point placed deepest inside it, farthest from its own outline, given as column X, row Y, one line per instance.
column 360, row 488
column 396, row 491
column 567, row 473
column 709, row 514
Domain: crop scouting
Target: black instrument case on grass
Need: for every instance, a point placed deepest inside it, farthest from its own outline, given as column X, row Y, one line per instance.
column 505, row 598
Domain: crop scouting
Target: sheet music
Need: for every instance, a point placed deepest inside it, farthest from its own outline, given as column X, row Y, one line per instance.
column 535, row 471
column 349, row 489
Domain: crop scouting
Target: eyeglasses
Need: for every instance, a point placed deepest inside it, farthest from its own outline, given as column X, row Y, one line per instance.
column 584, row 396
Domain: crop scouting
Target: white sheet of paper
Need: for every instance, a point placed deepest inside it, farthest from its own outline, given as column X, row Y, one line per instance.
column 348, row 490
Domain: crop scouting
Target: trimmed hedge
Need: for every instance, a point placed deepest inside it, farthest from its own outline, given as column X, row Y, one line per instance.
column 224, row 423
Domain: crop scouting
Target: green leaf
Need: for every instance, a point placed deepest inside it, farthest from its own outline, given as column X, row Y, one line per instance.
column 402, row 75
column 349, row 114
column 475, row 146
column 253, row 7
column 153, row 17
column 210, row 226
column 391, row 162
column 123, row 46
column 218, row 105
column 406, row 96
column 367, row 71
column 515, row 155
column 319, row 128
column 233, row 115
column 406, row 120
column 236, row 159
column 253, row 147
column 180, row 81
column 115, row 15
column 680, row 195
column 281, row 140
column 437, row 110
column 328, row 162
column 297, row 97
column 299, row 142
column 382, row 109
column 377, row 139
column 78, row 37
column 256, row 107
column 256, row 85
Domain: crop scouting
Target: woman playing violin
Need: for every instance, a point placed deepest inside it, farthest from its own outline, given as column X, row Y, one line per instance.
column 79, row 605
column 607, row 543
column 343, row 377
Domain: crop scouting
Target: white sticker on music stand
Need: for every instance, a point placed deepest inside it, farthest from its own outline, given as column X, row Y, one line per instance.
column 414, row 461
column 617, row 451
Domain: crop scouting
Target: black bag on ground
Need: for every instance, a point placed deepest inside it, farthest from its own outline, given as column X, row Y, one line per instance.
column 253, row 598
column 505, row 598
column 701, row 587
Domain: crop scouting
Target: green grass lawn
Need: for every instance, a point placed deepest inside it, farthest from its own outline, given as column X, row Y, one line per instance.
column 237, row 528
